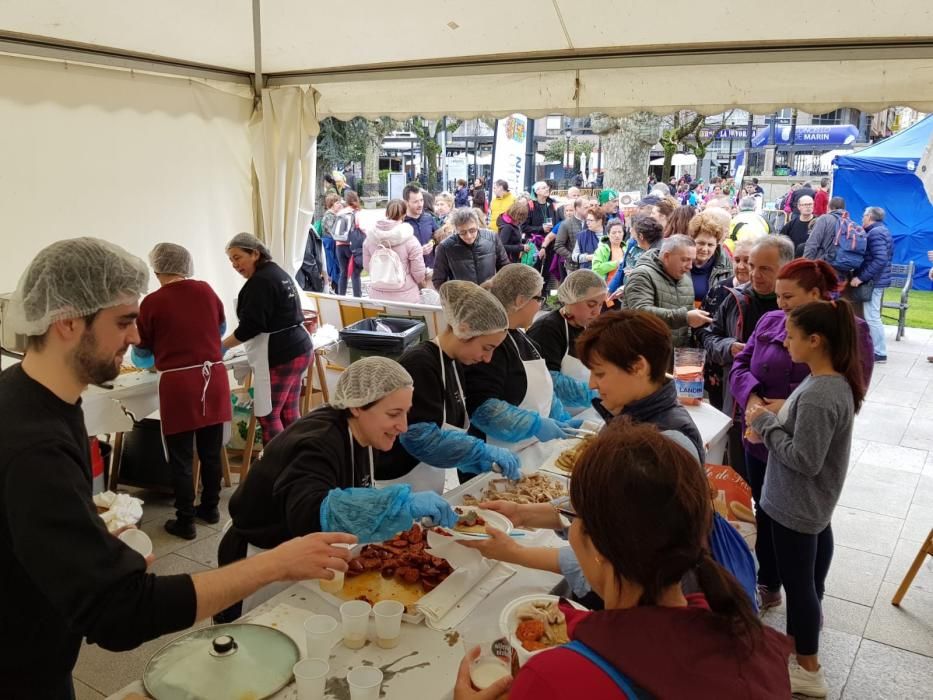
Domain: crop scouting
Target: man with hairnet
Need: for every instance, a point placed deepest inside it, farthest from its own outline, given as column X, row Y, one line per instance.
column 582, row 296
column 65, row 578
column 436, row 439
column 180, row 329
column 319, row 473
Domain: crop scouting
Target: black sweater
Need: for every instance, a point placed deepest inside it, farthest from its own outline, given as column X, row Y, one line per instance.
column 424, row 365
column 550, row 334
column 63, row 577
column 282, row 496
column 503, row 377
column 269, row 302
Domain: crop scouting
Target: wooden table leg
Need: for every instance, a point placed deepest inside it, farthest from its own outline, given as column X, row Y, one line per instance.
column 225, row 465
column 926, row 550
column 196, row 472
column 248, row 448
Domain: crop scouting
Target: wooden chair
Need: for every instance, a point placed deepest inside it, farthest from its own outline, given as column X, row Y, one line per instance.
column 308, row 390
column 224, row 464
column 926, row 550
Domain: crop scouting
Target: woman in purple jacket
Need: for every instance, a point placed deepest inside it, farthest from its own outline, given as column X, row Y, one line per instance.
column 765, row 371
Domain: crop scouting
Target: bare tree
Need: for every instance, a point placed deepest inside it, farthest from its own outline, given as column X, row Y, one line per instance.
column 627, row 143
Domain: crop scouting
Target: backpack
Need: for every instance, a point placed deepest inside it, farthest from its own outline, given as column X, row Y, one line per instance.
column 386, row 270
column 343, row 226
column 850, row 242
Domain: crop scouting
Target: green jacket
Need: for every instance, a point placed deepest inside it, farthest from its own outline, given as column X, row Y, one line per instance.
column 649, row 288
column 602, row 264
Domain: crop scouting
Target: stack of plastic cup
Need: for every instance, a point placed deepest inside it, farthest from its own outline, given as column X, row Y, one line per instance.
column 388, row 615
column 365, row 683
column 311, row 678
column 355, row 617
column 321, row 635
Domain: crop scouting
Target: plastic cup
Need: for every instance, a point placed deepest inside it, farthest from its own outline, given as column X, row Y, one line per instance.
column 311, row 677
column 487, row 669
column 355, row 617
column 388, row 615
column 138, row 540
column 334, row 585
column 320, row 635
column 365, row 683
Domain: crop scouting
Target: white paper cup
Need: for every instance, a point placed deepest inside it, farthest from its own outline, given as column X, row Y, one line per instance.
column 334, row 585
column 320, row 634
column 138, row 540
column 487, row 669
column 364, row 682
column 355, row 617
column 388, row 614
column 310, row 678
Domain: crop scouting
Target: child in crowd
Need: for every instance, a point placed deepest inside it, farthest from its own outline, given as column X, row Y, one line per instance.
column 808, row 437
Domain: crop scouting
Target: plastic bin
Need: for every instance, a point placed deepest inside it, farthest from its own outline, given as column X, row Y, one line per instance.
column 385, row 336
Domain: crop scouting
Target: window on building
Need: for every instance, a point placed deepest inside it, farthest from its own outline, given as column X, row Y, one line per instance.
column 834, row 117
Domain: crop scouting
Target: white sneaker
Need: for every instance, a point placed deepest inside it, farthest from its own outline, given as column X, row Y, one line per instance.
column 809, row 683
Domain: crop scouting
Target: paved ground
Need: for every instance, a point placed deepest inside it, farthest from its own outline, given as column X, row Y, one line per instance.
column 870, row 649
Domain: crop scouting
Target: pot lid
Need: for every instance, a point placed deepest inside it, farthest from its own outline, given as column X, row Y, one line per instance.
column 238, row 661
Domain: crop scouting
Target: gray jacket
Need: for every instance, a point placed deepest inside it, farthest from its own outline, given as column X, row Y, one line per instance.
column 822, row 235
column 649, row 288
column 566, row 240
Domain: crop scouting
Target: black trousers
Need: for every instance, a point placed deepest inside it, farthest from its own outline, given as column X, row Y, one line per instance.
column 803, row 561
column 181, row 446
column 768, row 572
column 344, row 255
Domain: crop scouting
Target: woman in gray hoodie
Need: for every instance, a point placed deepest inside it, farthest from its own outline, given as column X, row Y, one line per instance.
column 393, row 258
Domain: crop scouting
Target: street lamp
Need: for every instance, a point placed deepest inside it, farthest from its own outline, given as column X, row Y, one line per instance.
column 568, row 161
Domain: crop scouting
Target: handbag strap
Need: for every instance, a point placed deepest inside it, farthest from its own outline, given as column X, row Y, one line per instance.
column 614, row 675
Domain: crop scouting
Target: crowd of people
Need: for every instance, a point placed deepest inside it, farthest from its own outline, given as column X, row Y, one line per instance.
column 788, row 356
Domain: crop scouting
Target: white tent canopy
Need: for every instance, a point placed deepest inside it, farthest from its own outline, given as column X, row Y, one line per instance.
column 137, row 157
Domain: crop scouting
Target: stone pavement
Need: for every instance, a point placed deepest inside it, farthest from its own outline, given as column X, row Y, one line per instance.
column 870, row 649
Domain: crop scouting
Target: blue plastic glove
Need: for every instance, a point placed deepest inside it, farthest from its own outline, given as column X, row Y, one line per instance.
column 508, row 462
column 503, row 421
column 427, row 504
column 550, row 429
column 446, row 449
column 373, row 515
column 558, row 412
column 575, row 423
column 572, row 392
column 141, row 357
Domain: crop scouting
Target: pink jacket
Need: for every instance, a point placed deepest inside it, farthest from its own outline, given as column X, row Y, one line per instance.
column 400, row 237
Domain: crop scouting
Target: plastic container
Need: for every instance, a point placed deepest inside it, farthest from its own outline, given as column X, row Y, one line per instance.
column 381, row 336
column 311, row 678
column 321, row 634
column 388, row 615
column 365, row 683
column 355, row 617
column 688, row 374
column 487, row 669
column 138, row 540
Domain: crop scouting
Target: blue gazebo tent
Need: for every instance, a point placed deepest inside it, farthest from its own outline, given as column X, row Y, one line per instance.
column 883, row 175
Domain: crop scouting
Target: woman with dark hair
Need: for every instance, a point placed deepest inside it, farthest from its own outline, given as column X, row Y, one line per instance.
column 642, row 521
column 478, row 193
column 628, row 353
column 349, row 239
column 271, row 326
column 646, row 235
column 679, row 221
column 509, row 225
column 587, row 241
column 764, row 372
column 809, row 437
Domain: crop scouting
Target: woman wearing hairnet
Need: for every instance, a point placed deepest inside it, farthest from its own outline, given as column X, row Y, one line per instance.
column 437, row 439
column 511, row 399
column 582, row 294
column 180, row 326
column 318, row 476
column 271, row 327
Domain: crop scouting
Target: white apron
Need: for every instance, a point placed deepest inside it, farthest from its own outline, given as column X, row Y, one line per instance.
column 539, row 394
column 271, row 590
column 206, row 368
column 257, row 355
column 573, row 368
column 425, row 477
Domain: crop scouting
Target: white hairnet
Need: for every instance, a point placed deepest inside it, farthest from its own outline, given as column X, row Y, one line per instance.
column 247, row 241
column 581, row 285
column 75, row 278
column 369, row 380
column 171, row 259
column 513, row 281
column 472, row 311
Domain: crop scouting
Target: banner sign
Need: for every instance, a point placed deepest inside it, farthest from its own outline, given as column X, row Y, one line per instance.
column 509, row 151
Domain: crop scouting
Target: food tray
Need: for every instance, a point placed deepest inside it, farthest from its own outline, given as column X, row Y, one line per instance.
column 508, row 622
column 475, row 486
column 550, row 464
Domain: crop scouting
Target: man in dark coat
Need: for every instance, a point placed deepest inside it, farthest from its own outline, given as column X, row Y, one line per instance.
column 474, row 255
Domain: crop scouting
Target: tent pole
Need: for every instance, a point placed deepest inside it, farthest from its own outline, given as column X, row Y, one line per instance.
column 257, row 50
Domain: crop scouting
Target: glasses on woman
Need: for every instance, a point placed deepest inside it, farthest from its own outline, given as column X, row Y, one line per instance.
column 538, row 298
